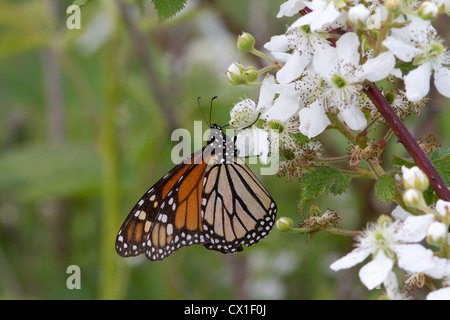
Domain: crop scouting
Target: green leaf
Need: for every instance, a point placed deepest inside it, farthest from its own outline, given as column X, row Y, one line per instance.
column 440, row 153
column 322, row 181
column 399, row 162
column 406, row 67
column 81, row 3
column 385, row 188
column 168, row 8
column 441, row 161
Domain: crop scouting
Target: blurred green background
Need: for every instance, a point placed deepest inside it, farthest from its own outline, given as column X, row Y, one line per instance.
column 85, row 125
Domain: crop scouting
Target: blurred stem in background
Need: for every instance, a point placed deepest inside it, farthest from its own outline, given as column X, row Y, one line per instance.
column 111, row 278
column 56, row 120
column 143, row 53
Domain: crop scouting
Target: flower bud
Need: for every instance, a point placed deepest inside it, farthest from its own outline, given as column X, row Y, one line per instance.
column 235, row 73
column 428, row 10
column 284, row 224
column 384, row 220
column 245, row 42
column 414, row 178
column 251, row 74
column 436, row 233
column 358, row 15
column 414, row 198
column 393, row 6
column 315, row 210
column 443, row 208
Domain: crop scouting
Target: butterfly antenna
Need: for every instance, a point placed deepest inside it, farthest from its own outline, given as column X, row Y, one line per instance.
column 257, row 118
column 210, row 109
column 241, row 129
column 201, row 110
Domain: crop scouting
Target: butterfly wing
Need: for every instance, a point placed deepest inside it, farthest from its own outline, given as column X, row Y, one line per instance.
column 167, row 216
column 236, row 208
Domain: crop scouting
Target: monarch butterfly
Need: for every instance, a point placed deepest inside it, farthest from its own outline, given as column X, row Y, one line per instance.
column 211, row 198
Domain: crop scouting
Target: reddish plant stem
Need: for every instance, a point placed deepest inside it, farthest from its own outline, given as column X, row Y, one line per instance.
column 410, row 144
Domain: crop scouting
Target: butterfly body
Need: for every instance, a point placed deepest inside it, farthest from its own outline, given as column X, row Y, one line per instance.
column 211, row 198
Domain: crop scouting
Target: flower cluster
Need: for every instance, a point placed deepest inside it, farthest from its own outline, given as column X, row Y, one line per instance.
column 399, row 244
column 327, row 56
column 318, row 75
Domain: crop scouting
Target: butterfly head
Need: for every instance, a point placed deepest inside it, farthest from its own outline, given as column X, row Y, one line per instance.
column 222, row 145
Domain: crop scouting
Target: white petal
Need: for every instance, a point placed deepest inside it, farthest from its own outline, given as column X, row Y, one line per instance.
column 353, row 117
column 401, row 49
column 290, row 7
column 266, row 93
column 347, row 49
column 284, row 107
column 417, row 82
column 413, row 229
column 281, row 56
column 294, row 67
column 416, row 31
column 304, row 20
column 317, row 5
column 278, row 43
column 391, row 286
column 413, row 257
column 376, row 271
column 397, row 73
column 261, row 140
column 253, row 141
column 351, row 259
column 442, row 81
column 378, row 68
column 440, row 294
column 313, row 119
column 440, row 269
column 329, row 15
column 325, row 59
column 244, row 143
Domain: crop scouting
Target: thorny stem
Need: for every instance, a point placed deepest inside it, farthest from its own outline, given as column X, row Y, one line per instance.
column 410, row 144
